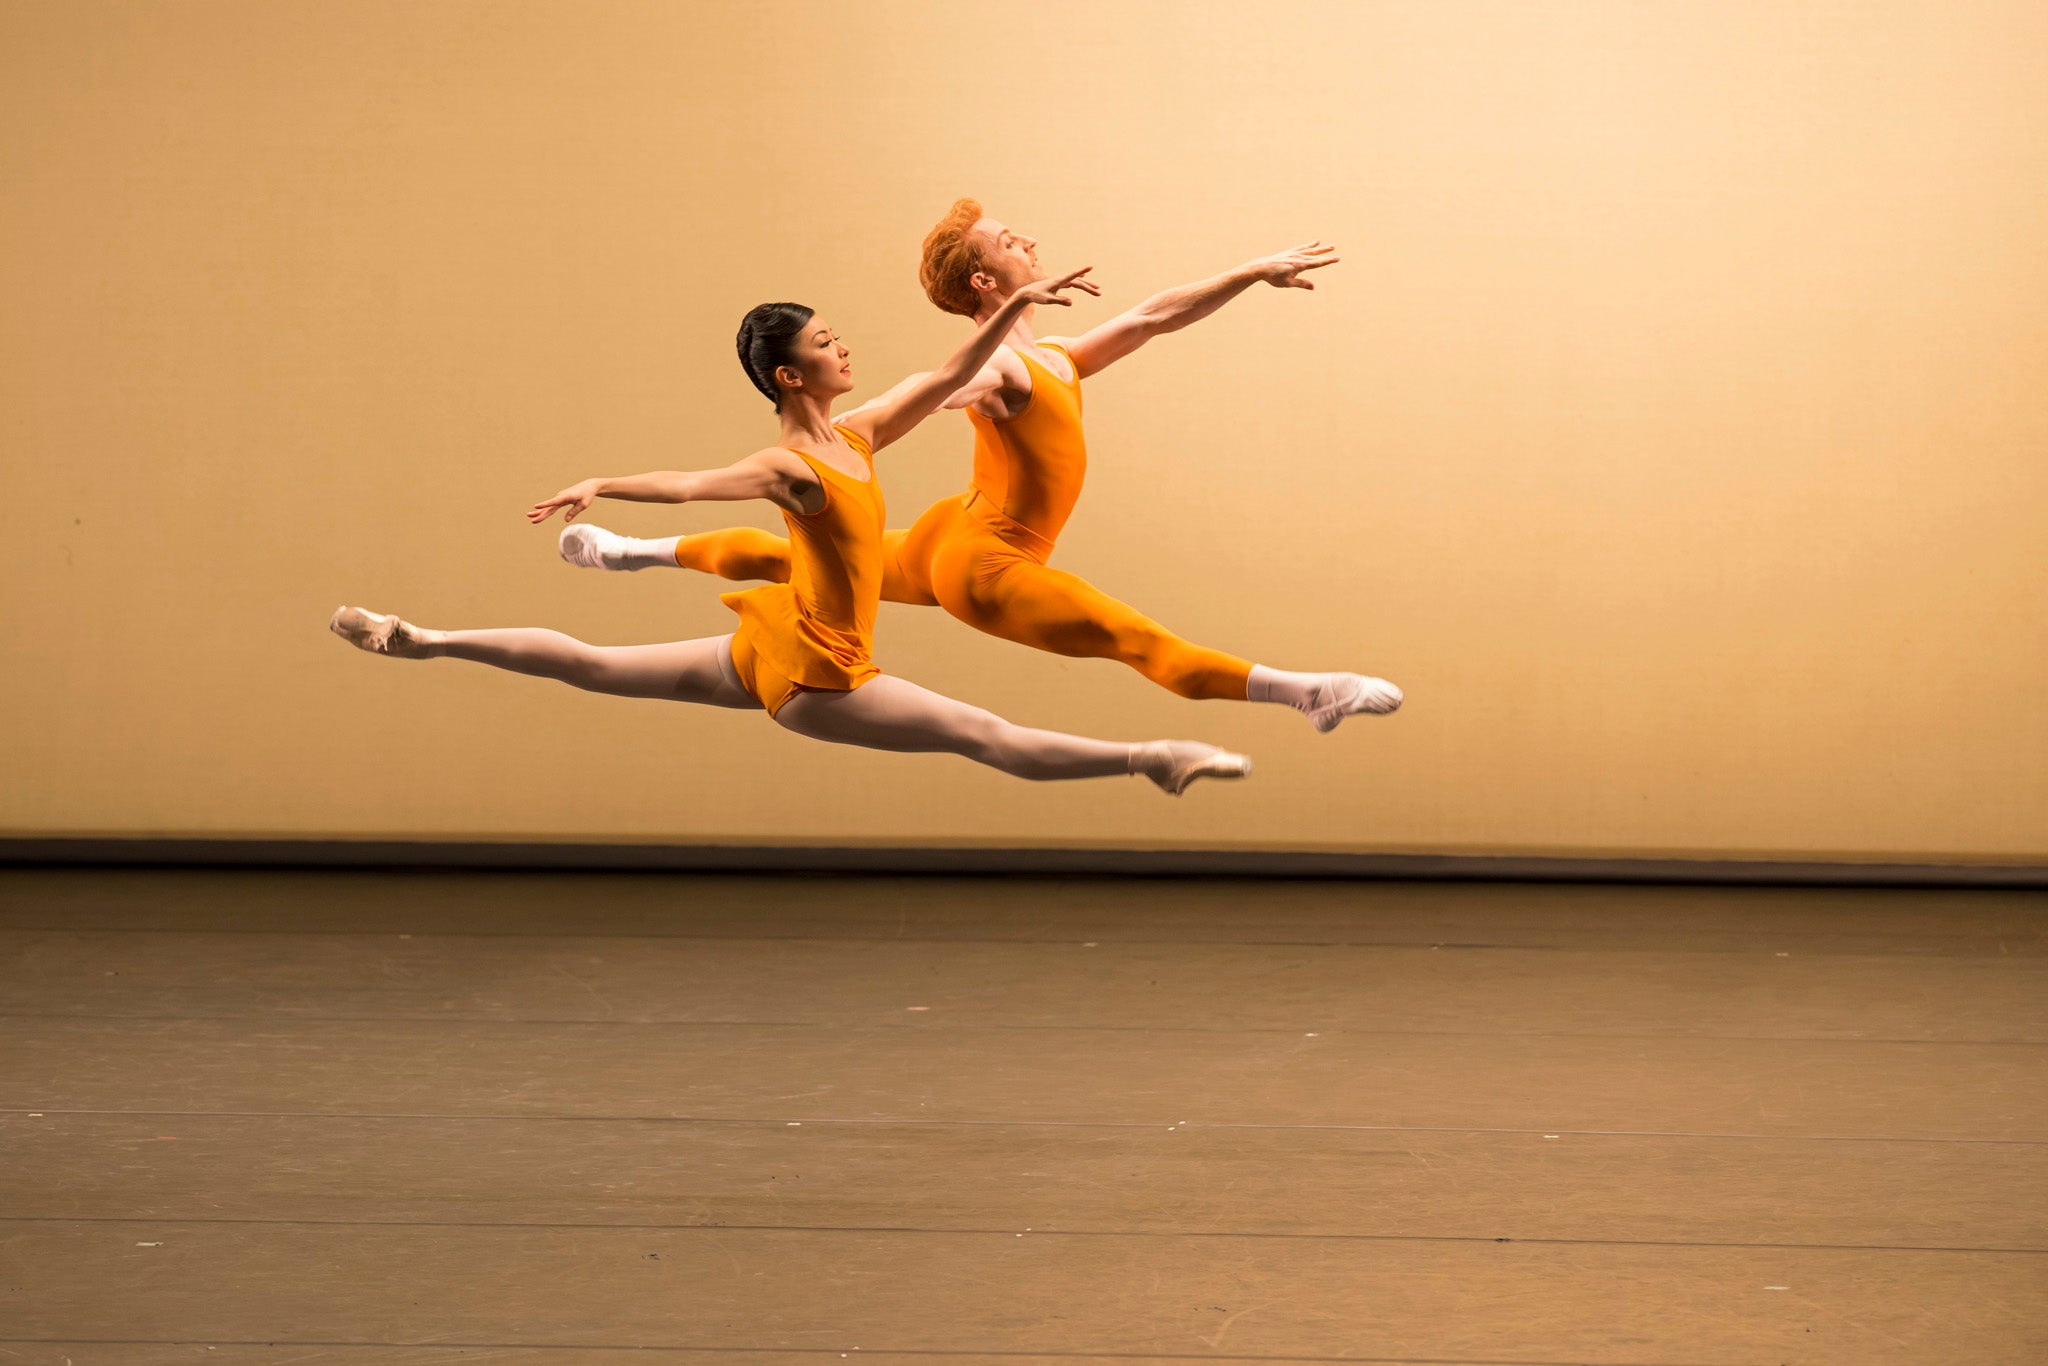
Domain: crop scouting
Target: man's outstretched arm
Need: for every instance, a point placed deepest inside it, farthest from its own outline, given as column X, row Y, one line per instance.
column 1176, row 308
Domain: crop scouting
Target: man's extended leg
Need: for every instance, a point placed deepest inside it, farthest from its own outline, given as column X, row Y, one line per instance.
column 1050, row 609
column 734, row 552
column 997, row 589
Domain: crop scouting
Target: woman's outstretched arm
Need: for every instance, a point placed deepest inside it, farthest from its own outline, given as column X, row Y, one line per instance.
column 774, row 474
column 892, row 416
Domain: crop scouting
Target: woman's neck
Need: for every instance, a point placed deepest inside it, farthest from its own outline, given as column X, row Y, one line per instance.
column 807, row 421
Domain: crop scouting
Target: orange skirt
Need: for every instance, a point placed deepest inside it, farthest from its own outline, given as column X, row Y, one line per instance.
column 777, row 656
column 763, row 682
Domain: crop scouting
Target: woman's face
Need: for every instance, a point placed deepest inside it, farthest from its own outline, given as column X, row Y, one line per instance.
column 819, row 363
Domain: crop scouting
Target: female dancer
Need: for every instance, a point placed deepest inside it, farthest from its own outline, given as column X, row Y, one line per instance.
column 802, row 648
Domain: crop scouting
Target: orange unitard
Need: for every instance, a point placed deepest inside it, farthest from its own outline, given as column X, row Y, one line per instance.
column 982, row 556
column 816, row 628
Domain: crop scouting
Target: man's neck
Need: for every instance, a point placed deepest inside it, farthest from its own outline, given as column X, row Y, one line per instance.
column 1020, row 331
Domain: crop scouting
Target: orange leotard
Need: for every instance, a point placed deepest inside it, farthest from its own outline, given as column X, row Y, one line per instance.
column 1030, row 467
column 817, row 629
column 982, row 555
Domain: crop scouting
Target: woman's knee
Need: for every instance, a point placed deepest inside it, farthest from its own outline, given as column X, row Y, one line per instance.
column 1006, row 746
column 585, row 666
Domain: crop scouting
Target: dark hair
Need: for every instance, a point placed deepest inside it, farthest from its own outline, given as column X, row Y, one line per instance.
column 767, row 336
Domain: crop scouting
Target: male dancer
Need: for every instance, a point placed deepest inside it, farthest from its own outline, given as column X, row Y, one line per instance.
column 982, row 556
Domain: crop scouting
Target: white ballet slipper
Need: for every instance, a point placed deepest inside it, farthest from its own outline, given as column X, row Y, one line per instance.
column 583, row 546
column 1342, row 695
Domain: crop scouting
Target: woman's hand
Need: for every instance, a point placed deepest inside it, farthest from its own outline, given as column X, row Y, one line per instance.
column 576, row 498
column 1048, row 291
column 1283, row 271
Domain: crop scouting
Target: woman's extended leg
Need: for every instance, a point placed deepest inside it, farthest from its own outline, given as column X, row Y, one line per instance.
column 681, row 671
column 892, row 714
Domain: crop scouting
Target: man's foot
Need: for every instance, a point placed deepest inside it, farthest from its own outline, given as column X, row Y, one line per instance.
column 379, row 634
column 1336, row 696
column 592, row 547
column 1173, row 764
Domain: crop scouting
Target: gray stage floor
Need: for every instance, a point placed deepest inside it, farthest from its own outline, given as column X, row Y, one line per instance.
column 384, row 1118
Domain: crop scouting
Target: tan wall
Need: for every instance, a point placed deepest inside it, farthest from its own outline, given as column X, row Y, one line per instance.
column 1674, row 430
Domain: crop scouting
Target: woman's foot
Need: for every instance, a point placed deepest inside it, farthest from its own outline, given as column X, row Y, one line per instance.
column 592, row 547
column 379, row 634
column 1173, row 764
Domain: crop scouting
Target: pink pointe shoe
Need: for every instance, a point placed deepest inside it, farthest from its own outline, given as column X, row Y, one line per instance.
column 377, row 633
column 1173, row 764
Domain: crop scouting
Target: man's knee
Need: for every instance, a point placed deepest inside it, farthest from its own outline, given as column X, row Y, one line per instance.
column 1095, row 638
column 755, row 557
column 969, row 601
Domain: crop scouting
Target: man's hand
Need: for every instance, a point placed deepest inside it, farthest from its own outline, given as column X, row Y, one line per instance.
column 1284, row 270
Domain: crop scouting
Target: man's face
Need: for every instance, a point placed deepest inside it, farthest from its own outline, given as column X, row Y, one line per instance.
column 1008, row 257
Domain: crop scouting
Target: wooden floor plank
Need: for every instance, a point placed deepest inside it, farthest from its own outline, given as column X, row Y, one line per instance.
column 16, row 1352
column 1138, row 910
column 1361, row 1183
column 1671, row 1085
column 1108, row 985
column 950, row 1292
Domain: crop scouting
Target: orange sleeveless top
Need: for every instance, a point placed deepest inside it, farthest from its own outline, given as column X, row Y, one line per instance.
column 1031, row 466
column 819, row 628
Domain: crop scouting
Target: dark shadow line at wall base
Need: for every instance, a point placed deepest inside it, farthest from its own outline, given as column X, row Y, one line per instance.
column 991, row 860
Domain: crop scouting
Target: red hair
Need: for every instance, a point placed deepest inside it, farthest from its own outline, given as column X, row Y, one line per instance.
column 952, row 253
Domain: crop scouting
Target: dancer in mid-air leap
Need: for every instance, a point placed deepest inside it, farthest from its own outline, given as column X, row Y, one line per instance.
column 983, row 555
column 802, row 648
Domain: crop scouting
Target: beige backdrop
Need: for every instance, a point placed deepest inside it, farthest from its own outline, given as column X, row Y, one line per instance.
column 1673, row 431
